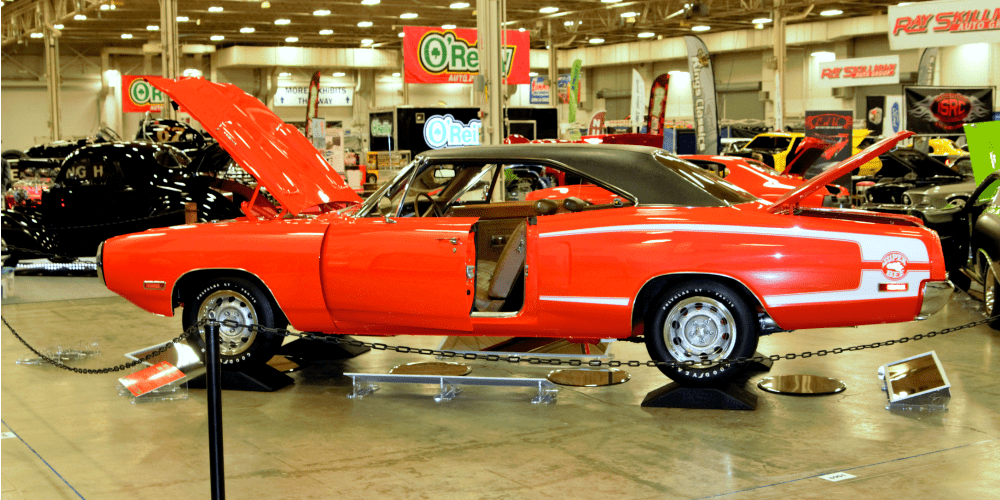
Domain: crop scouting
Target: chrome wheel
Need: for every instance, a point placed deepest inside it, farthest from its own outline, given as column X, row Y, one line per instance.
column 699, row 329
column 229, row 306
column 990, row 292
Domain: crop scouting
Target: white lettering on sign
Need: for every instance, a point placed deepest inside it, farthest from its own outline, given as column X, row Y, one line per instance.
column 328, row 96
column 447, row 132
column 7, row 435
column 883, row 70
column 837, row 476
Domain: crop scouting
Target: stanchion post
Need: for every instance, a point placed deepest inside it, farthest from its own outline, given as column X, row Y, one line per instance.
column 213, row 384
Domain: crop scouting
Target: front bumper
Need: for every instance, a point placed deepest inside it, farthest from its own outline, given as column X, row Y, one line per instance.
column 935, row 296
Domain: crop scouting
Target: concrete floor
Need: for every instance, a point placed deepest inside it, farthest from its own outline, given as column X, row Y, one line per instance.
column 73, row 436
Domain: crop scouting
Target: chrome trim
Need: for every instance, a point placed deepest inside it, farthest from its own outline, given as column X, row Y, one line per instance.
column 935, row 295
column 488, row 314
column 100, row 263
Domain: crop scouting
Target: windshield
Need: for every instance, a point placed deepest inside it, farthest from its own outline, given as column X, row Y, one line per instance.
column 392, row 186
column 769, row 143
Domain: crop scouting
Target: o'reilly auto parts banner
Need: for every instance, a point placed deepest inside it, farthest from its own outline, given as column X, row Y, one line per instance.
column 138, row 96
column 706, row 118
column 862, row 71
column 939, row 24
column 436, row 55
column 944, row 110
column 833, row 127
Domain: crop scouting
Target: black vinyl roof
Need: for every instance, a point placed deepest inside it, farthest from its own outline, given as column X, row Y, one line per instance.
column 649, row 175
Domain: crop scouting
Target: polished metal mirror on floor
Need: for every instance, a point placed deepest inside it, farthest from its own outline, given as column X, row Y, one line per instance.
column 589, row 378
column 441, row 368
column 801, row 385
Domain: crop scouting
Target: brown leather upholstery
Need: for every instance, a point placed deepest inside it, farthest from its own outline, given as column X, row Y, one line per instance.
column 508, row 268
column 506, row 210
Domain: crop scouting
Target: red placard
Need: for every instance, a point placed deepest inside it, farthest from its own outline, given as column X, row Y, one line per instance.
column 138, row 96
column 436, row 55
column 151, row 378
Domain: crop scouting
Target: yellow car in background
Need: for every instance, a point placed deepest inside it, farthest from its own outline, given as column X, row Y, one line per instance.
column 776, row 148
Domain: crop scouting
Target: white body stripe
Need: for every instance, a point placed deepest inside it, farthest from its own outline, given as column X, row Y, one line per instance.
column 868, row 290
column 873, row 247
column 607, row 301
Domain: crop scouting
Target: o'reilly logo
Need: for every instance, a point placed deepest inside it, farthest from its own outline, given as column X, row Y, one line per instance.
column 141, row 93
column 443, row 52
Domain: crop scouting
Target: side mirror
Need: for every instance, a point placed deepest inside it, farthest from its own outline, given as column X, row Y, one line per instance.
column 385, row 209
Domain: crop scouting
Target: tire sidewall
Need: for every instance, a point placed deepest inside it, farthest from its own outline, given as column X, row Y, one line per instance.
column 746, row 333
column 264, row 344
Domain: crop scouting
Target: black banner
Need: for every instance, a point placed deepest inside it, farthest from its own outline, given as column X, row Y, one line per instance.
column 875, row 113
column 944, row 110
column 833, row 127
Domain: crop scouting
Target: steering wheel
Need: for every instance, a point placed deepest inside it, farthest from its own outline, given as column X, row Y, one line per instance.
column 434, row 206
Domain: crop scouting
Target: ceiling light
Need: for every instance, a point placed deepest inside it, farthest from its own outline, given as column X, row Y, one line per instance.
column 339, row 73
column 596, row 40
column 370, row 2
column 217, row 38
column 646, row 34
column 292, row 39
column 108, row 6
column 630, row 14
column 58, row 26
column 548, row 10
column 701, row 28
column 215, row 9
column 448, row 26
column 126, row 35
column 832, row 12
column 761, row 20
column 903, row 4
column 567, row 23
column 408, row 15
column 325, row 32
column 39, row 35
column 396, row 74
column 183, row 19
column 321, row 12
column 191, row 72
column 152, row 27
column 285, row 74
column 459, row 5
column 824, row 55
column 247, row 30
column 282, row 22
column 79, row 17
column 676, row 72
column 365, row 24
column 401, row 34
column 610, row 1
column 367, row 41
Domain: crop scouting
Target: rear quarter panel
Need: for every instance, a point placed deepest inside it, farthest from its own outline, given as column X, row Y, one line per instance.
column 284, row 254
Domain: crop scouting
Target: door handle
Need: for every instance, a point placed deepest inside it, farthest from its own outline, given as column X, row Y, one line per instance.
column 454, row 241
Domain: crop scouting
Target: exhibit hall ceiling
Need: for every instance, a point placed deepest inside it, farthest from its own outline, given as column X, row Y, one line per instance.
column 87, row 24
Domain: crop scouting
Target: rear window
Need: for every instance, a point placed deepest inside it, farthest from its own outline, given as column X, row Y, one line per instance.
column 700, row 181
column 766, row 142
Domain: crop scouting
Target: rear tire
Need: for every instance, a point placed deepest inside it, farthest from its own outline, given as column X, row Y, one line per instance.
column 990, row 289
column 701, row 320
column 241, row 301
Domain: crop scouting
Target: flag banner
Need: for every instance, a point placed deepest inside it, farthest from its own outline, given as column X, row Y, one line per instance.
column 944, row 110
column 706, row 117
column 437, row 55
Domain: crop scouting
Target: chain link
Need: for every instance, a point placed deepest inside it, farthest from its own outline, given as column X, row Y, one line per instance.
column 111, row 369
column 509, row 358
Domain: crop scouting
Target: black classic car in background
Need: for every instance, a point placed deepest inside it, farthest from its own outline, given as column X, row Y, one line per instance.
column 104, row 190
column 908, row 169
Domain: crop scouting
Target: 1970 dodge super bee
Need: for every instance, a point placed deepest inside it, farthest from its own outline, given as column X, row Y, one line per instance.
column 698, row 266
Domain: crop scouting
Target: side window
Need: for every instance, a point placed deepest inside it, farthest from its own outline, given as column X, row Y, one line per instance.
column 528, row 182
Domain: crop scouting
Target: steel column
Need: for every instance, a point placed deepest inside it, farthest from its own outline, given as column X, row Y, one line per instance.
column 52, row 77
column 170, row 48
column 490, row 22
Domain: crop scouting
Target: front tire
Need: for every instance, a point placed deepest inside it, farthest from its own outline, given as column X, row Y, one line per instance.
column 701, row 320
column 245, row 303
column 990, row 289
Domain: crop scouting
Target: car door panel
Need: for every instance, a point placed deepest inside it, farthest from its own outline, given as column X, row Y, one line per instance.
column 409, row 272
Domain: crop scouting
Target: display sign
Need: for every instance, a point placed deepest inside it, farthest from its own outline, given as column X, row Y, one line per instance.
column 437, row 55
column 150, row 379
column 638, row 103
column 597, row 123
column 940, row 24
column 540, row 90
column 328, row 96
column 938, row 110
column 928, row 65
column 706, row 117
column 138, row 96
column 880, row 70
column 444, row 131
column 833, row 127
column 657, row 108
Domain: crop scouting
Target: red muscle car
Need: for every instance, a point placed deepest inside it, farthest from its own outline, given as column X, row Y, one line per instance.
column 697, row 266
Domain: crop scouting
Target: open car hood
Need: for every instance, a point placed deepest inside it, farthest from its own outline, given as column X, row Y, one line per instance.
column 790, row 200
column 809, row 150
column 274, row 152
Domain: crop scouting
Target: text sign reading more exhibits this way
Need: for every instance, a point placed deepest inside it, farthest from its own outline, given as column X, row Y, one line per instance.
column 881, row 70
column 328, row 96
column 941, row 24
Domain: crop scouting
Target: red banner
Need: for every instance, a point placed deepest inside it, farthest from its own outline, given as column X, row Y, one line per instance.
column 436, row 55
column 138, row 96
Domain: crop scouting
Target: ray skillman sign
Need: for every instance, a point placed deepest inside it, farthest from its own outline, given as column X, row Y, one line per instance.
column 939, row 24
column 880, row 70
column 436, row 55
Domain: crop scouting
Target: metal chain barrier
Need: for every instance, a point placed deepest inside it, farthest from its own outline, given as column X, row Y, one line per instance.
column 514, row 359
column 124, row 366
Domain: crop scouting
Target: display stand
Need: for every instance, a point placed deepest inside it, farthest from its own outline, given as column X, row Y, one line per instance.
column 317, row 350
column 364, row 384
column 733, row 396
column 762, row 366
column 257, row 379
